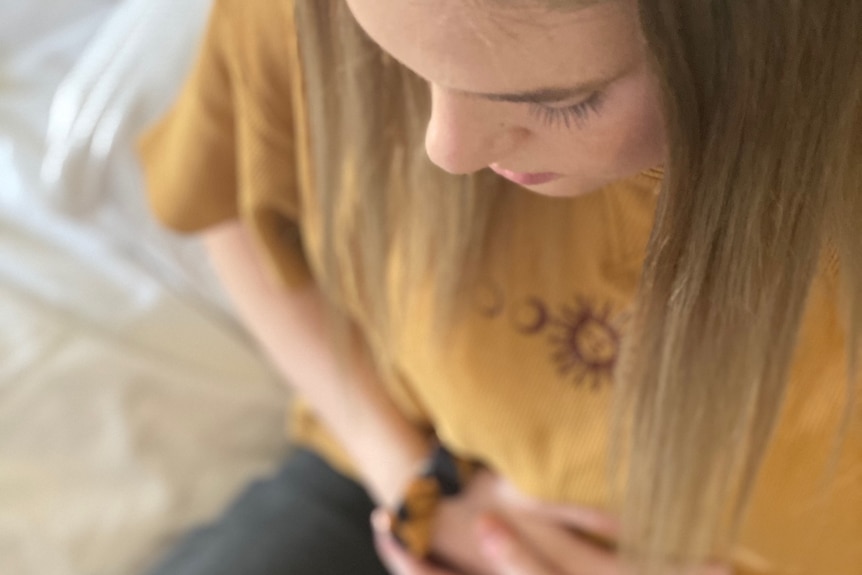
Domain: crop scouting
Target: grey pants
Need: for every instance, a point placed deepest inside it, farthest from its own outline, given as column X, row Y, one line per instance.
column 307, row 519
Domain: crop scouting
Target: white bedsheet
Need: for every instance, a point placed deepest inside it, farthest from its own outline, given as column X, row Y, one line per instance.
column 131, row 405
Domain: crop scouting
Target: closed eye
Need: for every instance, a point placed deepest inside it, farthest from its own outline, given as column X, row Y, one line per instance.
column 569, row 116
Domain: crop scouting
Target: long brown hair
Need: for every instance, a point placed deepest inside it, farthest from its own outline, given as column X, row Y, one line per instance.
column 377, row 192
column 763, row 104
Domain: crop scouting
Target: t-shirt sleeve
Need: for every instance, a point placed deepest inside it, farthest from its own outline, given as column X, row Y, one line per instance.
column 227, row 150
column 190, row 157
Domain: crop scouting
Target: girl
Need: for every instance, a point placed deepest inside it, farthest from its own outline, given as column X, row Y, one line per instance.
column 537, row 353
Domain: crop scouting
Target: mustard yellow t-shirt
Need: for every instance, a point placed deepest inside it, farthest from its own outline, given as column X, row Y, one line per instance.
column 525, row 385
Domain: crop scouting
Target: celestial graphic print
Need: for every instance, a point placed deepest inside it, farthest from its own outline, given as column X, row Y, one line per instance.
column 583, row 337
column 489, row 300
column 530, row 316
column 586, row 343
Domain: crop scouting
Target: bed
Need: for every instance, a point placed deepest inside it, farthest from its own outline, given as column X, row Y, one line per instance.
column 132, row 406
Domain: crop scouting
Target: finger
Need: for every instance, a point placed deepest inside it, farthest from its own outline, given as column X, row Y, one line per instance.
column 507, row 553
column 583, row 518
column 554, row 549
column 394, row 557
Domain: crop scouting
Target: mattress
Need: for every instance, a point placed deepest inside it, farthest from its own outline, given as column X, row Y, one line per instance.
column 132, row 404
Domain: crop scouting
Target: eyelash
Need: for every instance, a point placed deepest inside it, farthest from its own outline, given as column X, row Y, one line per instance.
column 577, row 114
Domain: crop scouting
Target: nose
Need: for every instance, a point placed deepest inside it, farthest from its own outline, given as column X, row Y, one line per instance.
column 465, row 134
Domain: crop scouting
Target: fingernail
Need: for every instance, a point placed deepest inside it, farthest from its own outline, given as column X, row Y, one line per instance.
column 380, row 521
column 494, row 545
column 491, row 537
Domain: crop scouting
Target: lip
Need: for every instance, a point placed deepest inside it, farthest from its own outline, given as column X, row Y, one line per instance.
column 526, row 179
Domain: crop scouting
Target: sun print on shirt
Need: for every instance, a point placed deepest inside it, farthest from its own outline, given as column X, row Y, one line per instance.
column 586, row 342
column 583, row 337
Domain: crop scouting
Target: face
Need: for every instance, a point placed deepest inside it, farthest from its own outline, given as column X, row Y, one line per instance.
column 561, row 102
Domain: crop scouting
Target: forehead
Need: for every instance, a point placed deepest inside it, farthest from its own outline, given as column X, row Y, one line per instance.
column 489, row 46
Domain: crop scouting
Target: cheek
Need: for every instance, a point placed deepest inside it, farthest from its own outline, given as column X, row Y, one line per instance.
column 636, row 133
column 626, row 137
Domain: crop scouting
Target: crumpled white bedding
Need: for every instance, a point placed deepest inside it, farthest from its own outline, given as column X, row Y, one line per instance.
column 131, row 405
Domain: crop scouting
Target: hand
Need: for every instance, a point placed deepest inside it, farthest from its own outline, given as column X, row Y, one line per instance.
column 558, row 546
column 504, row 557
column 491, row 529
column 397, row 560
column 454, row 543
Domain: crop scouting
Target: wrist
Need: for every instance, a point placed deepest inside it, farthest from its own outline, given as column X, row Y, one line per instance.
column 441, row 476
column 398, row 466
column 385, row 454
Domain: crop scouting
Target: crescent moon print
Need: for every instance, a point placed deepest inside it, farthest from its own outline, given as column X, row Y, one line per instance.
column 489, row 300
column 531, row 316
column 586, row 344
